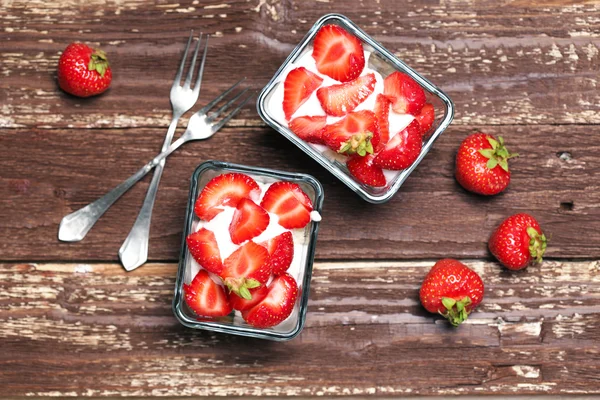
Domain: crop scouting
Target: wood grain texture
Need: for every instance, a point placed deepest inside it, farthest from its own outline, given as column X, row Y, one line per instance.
column 507, row 62
column 104, row 332
column 50, row 173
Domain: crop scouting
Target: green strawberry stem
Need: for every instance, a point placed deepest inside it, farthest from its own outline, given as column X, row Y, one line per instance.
column 241, row 286
column 456, row 310
column 498, row 154
column 98, row 62
column 537, row 244
column 359, row 143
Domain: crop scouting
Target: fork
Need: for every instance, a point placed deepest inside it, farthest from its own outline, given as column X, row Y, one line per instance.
column 134, row 251
column 201, row 125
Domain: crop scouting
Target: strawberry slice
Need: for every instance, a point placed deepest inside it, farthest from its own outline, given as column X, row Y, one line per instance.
column 205, row 250
column 426, row 118
column 249, row 220
column 309, row 129
column 357, row 133
column 246, row 268
column 205, row 297
column 224, row 190
column 382, row 113
column 281, row 251
column 338, row 54
column 363, row 169
column 276, row 306
column 406, row 95
column 339, row 100
column 289, row 203
column 241, row 304
column 402, row 150
column 297, row 88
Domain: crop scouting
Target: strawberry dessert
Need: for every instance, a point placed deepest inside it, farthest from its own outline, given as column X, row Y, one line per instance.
column 248, row 249
column 330, row 98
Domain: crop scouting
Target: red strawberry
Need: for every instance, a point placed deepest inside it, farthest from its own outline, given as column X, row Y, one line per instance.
column 426, row 118
column 309, row 129
column 451, row 289
column 276, row 306
column 339, row 100
column 518, row 242
column 281, row 250
column 363, row 169
column 205, row 297
column 246, row 268
column 482, row 164
column 338, row 54
column 241, row 304
column 402, row 150
column 224, row 190
column 357, row 133
column 205, row 250
column 406, row 95
column 249, row 220
column 382, row 112
column 83, row 71
column 289, row 203
column 297, row 88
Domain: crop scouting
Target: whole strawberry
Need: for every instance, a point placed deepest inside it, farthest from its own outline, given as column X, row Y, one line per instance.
column 482, row 164
column 83, row 71
column 518, row 242
column 452, row 290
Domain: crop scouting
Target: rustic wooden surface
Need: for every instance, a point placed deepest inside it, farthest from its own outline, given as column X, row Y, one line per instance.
column 72, row 322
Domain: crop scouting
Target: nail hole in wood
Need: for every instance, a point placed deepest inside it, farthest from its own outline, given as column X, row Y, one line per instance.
column 564, row 155
column 566, row 206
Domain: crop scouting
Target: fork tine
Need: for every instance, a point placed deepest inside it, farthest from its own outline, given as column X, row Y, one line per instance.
column 220, row 97
column 188, row 78
column 182, row 65
column 201, row 69
column 226, row 119
column 213, row 115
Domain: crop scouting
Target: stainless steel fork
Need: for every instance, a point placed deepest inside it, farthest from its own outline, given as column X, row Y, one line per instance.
column 202, row 125
column 134, row 251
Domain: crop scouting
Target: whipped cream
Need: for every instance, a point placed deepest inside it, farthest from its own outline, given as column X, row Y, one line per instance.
column 312, row 107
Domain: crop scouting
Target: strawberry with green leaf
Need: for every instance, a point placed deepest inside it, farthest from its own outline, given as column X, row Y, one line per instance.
column 83, row 71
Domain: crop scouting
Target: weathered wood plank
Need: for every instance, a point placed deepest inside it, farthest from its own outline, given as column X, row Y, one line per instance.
column 46, row 174
column 518, row 62
column 104, row 332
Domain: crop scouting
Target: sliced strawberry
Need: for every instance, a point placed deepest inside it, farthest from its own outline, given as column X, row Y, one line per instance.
column 338, row 54
column 426, row 118
column 246, row 268
column 205, row 250
column 205, row 297
column 363, row 169
column 281, row 250
column 224, row 190
column 289, row 203
column 309, row 129
column 406, row 95
column 358, row 133
column 339, row 100
column 402, row 150
column 241, row 304
column 249, row 220
column 382, row 112
column 297, row 88
column 276, row 306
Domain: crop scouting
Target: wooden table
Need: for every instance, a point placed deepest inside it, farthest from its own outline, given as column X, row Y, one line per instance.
column 73, row 322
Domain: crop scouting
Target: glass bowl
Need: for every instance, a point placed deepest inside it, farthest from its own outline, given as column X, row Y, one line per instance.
column 384, row 62
column 233, row 323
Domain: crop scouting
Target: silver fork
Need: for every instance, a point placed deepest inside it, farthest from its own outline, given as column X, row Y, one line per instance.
column 134, row 251
column 201, row 125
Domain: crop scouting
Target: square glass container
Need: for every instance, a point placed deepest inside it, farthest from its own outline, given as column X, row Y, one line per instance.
column 233, row 323
column 384, row 62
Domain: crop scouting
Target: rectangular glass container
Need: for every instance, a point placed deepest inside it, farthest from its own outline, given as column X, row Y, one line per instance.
column 384, row 62
column 232, row 323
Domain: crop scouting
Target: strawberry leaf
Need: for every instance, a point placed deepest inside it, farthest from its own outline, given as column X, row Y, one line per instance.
column 487, row 153
column 492, row 162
